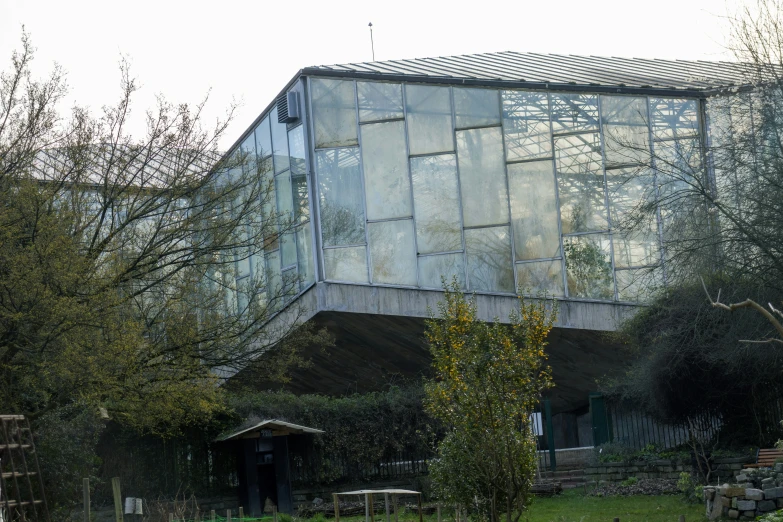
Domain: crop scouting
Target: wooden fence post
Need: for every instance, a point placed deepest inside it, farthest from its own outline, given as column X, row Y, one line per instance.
column 171, row 517
column 274, row 513
column 212, row 515
column 438, row 511
column 241, row 513
column 115, row 489
column 86, row 493
column 228, row 515
column 336, row 508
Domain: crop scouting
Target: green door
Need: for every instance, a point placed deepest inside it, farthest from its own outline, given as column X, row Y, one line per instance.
column 600, row 419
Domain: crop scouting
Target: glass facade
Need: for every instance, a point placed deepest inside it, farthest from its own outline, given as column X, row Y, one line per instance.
column 503, row 190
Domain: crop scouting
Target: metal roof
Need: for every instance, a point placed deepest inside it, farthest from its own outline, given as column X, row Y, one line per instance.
column 278, row 427
column 553, row 71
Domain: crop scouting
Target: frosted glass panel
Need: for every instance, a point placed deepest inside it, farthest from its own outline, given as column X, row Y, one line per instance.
column 279, row 142
column 526, row 125
column 580, row 182
column 673, row 118
column 274, row 274
column 489, row 259
column 624, row 110
column 346, row 264
column 541, row 277
column 482, row 172
column 334, row 113
column 379, row 101
column 574, row 112
column 448, row 266
column 534, row 209
column 436, row 201
column 340, row 192
column 589, row 267
column 429, row 119
column 243, row 266
column 304, row 254
column 285, row 202
column 297, row 150
column 392, row 252
column 385, row 163
column 476, row 107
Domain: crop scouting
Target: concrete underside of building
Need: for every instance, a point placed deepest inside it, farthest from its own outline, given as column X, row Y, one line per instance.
column 379, row 340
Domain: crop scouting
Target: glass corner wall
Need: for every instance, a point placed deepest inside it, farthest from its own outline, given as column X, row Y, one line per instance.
column 505, row 191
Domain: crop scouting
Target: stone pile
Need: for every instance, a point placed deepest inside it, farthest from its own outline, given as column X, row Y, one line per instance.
column 758, row 491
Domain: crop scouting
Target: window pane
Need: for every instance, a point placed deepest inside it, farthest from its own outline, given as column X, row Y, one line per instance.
column 448, row 266
column 346, row 264
column 526, row 125
column 476, row 107
column 580, row 181
column 297, row 150
column 489, row 259
column 379, row 101
column 279, row 142
column 340, row 190
column 304, row 254
column 626, row 133
column 385, row 165
column 243, row 266
column 534, row 209
column 541, row 277
column 672, row 118
column 638, row 285
column 436, row 201
column 633, row 213
column 263, row 139
column 285, row 200
column 482, row 174
column 392, row 252
column 334, row 113
column 574, row 112
column 248, row 149
column 301, row 197
column 429, row 119
column 288, row 249
column 274, row 274
column 588, row 266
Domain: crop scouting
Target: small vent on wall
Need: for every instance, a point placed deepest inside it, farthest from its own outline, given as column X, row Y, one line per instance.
column 288, row 107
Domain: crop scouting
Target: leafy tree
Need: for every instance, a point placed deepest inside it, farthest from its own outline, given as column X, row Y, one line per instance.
column 119, row 256
column 488, row 379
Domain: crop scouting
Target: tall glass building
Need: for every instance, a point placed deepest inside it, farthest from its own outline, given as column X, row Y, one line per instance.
column 509, row 172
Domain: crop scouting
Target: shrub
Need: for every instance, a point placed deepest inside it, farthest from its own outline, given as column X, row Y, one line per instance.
column 630, row 481
column 690, row 488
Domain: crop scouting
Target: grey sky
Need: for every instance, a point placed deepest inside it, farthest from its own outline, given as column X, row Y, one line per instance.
column 247, row 50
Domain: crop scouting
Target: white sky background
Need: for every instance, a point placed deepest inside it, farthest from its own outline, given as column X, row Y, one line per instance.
column 248, row 50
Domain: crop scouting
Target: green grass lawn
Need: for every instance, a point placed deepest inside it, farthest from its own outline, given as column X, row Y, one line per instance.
column 575, row 506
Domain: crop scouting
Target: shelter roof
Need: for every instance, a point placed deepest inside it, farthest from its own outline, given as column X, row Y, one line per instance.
column 277, row 427
column 553, row 71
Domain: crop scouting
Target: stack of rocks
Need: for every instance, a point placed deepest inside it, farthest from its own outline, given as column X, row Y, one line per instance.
column 759, row 491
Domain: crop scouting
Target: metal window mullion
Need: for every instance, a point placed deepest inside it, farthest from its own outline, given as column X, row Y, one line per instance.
column 385, row 220
column 555, row 175
column 334, row 247
column 538, row 260
column 587, row 233
column 657, row 189
column 459, row 188
column 432, row 254
column 367, row 255
column 602, row 137
column 529, row 160
column 315, row 203
column 410, row 180
column 508, row 194
column 494, row 225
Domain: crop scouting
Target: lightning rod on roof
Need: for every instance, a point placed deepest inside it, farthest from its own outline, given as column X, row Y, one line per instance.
column 372, row 44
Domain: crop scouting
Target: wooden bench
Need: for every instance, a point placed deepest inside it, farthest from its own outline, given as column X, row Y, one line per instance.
column 766, row 458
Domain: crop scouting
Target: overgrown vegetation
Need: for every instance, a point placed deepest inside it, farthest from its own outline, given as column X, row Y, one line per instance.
column 360, row 431
column 488, row 379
